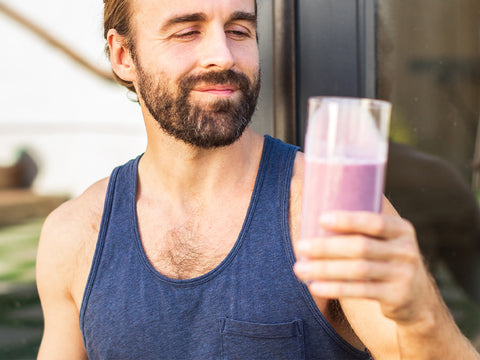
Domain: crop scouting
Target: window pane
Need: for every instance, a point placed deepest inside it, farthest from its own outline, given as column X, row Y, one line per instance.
column 429, row 68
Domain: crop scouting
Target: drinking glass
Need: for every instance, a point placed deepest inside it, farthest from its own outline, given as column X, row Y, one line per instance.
column 346, row 148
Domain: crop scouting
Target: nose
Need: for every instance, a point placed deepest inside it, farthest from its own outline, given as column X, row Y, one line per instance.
column 215, row 52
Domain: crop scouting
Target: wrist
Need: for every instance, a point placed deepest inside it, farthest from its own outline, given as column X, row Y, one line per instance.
column 434, row 335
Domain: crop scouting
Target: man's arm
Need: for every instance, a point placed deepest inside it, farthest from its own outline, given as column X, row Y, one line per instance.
column 55, row 271
column 376, row 270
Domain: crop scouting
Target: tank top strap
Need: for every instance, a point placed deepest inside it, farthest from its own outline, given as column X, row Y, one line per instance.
column 121, row 188
column 279, row 166
column 272, row 209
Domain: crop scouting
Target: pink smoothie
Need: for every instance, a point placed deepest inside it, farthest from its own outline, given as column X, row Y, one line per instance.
column 344, row 185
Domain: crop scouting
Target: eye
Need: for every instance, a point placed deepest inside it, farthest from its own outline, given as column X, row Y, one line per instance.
column 239, row 33
column 187, row 35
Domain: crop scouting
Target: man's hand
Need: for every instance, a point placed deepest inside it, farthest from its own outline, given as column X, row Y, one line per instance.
column 368, row 256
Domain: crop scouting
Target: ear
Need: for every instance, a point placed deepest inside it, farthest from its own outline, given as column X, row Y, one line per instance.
column 120, row 56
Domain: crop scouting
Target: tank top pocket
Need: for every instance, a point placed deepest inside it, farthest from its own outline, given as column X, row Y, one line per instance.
column 246, row 340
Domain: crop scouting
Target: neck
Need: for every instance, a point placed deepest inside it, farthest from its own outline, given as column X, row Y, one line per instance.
column 172, row 168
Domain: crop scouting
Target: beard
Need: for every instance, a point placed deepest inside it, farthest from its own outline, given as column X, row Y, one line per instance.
column 218, row 123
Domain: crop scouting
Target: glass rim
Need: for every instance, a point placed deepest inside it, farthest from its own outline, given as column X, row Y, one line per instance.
column 351, row 99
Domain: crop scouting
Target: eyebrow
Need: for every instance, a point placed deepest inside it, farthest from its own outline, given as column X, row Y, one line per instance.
column 184, row 19
column 201, row 17
column 244, row 16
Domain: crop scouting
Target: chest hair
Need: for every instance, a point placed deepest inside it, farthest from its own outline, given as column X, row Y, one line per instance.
column 191, row 248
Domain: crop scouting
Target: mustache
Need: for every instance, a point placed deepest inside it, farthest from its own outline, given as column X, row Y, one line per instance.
column 224, row 77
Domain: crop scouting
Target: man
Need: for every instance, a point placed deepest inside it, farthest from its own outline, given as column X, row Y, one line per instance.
column 186, row 252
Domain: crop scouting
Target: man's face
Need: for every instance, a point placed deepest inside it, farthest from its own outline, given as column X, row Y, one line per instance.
column 197, row 67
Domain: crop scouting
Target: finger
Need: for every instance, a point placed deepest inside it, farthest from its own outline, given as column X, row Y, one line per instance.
column 367, row 223
column 338, row 270
column 347, row 247
column 339, row 289
column 391, row 301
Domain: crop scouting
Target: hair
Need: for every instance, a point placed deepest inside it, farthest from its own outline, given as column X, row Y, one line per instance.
column 117, row 15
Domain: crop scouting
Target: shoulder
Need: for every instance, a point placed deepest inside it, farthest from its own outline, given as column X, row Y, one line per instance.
column 296, row 190
column 68, row 237
column 75, row 216
column 298, row 175
column 431, row 188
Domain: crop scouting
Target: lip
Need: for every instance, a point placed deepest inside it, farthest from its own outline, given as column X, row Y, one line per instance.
column 217, row 89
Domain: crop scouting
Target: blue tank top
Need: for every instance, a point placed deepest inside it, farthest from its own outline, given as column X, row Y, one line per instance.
column 251, row 306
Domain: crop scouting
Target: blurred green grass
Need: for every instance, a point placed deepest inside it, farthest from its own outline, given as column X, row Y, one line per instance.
column 18, row 247
column 21, row 322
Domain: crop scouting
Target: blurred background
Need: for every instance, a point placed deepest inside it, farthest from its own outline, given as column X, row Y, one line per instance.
column 65, row 124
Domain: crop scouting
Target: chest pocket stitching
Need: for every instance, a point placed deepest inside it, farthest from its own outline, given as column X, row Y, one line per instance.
column 233, row 330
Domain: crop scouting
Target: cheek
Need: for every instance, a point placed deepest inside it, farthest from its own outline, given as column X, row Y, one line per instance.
column 181, row 55
column 172, row 60
column 247, row 60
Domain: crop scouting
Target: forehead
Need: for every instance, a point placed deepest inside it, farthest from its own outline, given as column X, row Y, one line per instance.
column 162, row 10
